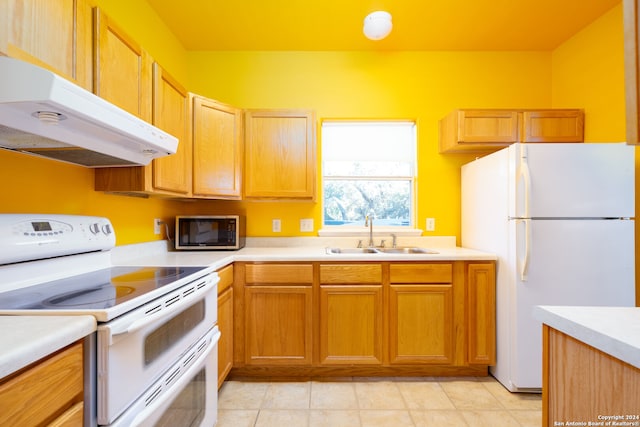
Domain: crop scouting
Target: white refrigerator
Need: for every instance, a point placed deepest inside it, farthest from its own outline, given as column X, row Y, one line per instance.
column 560, row 218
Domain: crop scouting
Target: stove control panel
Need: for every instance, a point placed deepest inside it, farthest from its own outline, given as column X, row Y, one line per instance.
column 26, row 237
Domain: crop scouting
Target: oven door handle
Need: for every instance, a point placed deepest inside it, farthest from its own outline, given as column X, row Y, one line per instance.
column 179, row 384
column 147, row 320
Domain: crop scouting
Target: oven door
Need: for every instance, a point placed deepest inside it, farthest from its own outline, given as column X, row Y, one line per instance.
column 135, row 349
column 185, row 396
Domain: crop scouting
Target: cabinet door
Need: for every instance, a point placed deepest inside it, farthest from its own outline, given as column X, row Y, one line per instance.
column 351, row 328
column 122, row 69
column 421, row 324
column 52, row 34
column 278, row 325
column 50, row 390
column 217, row 149
column 225, row 324
column 481, row 303
column 476, row 131
column 280, row 154
column 553, row 126
column 632, row 69
column 172, row 174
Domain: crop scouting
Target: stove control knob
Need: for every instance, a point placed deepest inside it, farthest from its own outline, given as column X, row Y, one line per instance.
column 106, row 229
column 94, row 228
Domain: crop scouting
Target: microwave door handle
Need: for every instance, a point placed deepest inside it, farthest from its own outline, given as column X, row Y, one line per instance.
column 144, row 321
column 180, row 383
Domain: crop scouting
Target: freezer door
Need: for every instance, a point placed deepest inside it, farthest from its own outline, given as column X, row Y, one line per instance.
column 573, row 180
column 571, row 262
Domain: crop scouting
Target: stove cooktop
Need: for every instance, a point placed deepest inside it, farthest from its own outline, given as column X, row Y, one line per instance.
column 96, row 290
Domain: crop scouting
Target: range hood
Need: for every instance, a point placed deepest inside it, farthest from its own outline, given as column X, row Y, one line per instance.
column 45, row 115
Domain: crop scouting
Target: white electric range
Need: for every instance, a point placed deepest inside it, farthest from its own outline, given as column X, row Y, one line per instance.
column 153, row 359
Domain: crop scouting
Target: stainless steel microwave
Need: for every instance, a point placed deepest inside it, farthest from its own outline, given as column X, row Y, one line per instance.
column 210, row 232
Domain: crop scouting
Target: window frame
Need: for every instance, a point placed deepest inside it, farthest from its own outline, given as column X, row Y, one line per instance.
column 399, row 230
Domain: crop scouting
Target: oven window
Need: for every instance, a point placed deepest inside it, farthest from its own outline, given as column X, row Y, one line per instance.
column 188, row 408
column 163, row 338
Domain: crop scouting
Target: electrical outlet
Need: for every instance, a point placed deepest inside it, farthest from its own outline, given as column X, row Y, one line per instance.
column 431, row 224
column 157, row 226
column 306, row 224
column 276, row 225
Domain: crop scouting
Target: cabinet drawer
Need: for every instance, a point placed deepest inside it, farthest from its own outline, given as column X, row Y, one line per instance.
column 45, row 391
column 226, row 278
column 278, row 273
column 73, row 417
column 421, row 273
column 351, row 273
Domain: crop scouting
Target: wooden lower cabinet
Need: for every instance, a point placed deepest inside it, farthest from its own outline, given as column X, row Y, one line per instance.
column 421, row 317
column 351, row 324
column 421, row 324
column 581, row 383
column 225, row 323
column 364, row 318
column 48, row 393
column 481, row 313
column 278, row 325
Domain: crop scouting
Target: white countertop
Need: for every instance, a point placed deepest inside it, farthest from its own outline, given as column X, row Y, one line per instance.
column 286, row 249
column 26, row 339
column 612, row 330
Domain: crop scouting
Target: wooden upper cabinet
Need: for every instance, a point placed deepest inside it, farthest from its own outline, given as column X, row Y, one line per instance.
column 552, row 126
column 172, row 174
column 478, row 130
column 127, row 76
column 122, row 69
column 217, row 149
column 55, row 35
column 280, row 154
column 485, row 131
column 631, row 68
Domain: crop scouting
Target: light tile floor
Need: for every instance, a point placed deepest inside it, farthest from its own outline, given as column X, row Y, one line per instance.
column 371, row 402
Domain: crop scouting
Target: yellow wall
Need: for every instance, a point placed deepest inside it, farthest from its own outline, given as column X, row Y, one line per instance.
column 411, row 85
column 30, row 184
column 588, row 72
column 415, row 85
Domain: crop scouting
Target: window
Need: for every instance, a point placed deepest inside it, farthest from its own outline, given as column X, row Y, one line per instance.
column 368, row 168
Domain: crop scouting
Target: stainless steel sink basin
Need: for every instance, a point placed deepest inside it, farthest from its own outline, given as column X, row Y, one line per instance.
column 352, row 251
column 398, row 250
column 406, row 250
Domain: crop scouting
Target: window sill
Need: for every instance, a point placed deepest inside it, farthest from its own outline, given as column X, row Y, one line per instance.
column 362, row 231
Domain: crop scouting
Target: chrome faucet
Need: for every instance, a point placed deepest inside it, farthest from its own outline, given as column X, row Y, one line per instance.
column 368, row 221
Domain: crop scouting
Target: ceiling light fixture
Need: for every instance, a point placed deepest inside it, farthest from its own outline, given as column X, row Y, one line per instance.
column 377, row 25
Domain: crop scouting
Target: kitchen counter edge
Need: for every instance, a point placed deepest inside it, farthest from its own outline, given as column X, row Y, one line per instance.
column 612, row 330
column 27, row 339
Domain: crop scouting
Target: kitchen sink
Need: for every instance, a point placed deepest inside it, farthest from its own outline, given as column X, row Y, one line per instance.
column 406, row 250
column 352, row 251
column 397, row 250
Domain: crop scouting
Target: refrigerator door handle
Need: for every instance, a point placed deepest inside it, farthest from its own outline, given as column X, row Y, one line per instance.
column 524, row 262
column 525, row 175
